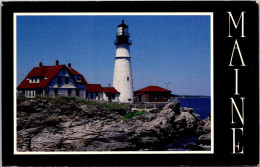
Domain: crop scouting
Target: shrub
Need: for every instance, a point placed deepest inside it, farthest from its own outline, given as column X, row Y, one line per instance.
column 133, row 114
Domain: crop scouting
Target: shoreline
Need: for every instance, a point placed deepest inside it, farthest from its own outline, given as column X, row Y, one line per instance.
column 74, row 125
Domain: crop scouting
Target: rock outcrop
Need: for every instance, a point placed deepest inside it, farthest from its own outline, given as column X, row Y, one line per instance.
column 204, row 132
column 75, row 125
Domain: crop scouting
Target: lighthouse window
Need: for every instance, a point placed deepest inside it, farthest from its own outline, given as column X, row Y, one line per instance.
column 120, row 30
column 127, row 78
column 125, row 31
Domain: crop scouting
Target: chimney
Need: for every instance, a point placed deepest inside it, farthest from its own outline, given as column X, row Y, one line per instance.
column 69, row 65
column 57, row 62
column 40, row 64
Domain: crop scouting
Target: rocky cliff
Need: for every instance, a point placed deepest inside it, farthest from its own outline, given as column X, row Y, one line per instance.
column 76, row 125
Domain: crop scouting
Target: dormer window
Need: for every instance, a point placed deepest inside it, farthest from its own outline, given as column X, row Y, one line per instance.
column 34, row 80
column 78, row 79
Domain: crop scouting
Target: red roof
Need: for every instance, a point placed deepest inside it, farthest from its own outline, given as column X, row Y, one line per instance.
column 109, row 90
column 73, row 72
column 76, row 73
column 152, row 89
column 47, row 73
column 94, row 88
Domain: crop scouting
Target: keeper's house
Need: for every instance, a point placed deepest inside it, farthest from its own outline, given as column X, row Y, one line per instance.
column 53, row 81
column 153, row 94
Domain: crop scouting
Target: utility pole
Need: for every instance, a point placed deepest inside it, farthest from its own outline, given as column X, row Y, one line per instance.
column 167, row 84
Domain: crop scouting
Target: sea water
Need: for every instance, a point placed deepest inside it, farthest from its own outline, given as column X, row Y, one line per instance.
column 201, row 105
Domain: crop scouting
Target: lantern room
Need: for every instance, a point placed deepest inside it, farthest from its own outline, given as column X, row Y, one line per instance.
column 122, row 36
column 122, row 29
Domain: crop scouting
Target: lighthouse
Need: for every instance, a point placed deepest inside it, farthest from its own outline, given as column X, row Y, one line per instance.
column 123, row 81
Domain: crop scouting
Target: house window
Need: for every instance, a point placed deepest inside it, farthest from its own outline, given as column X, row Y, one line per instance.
column 59, row 80
column 113, row 96
column 77, row 92
column 56, row 92
column 127, row 78
column 69, row 92
column 78, row 79
column 66, row 80
column 46, row 94
column 63, row 71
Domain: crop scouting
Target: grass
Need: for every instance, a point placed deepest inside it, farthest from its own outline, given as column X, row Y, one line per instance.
column 104, row 104
column 45, row 98
column 133, row 114
column 69, row 98
column 21, row 99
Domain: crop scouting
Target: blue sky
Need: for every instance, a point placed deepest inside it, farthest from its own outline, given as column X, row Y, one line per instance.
column 174, row 49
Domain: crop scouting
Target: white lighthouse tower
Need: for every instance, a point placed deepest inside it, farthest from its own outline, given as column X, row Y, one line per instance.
column 123, row 81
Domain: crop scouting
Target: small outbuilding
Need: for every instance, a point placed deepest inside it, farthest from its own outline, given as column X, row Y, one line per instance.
column 152, row 94
column 110, row 94
column 94, row 92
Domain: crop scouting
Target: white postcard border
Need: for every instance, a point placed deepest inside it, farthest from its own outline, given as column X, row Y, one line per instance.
column 111, row 14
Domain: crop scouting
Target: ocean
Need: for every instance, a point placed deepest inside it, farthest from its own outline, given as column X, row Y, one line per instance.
column 201, row 105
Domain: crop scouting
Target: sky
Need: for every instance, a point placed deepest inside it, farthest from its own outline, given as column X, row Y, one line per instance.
column 165, row 49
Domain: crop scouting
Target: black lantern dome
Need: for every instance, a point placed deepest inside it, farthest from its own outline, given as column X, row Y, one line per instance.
column 122, row 36
column 123, row 24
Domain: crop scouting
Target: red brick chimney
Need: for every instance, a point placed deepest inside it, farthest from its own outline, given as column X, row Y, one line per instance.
column 40, row 64
column 69, row 65
column 57, row 62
